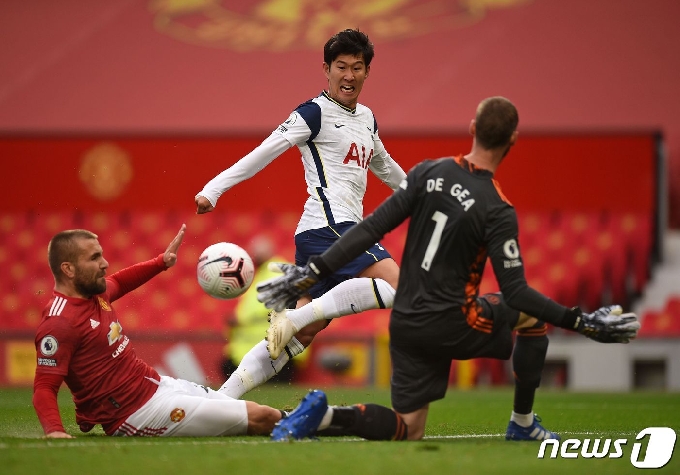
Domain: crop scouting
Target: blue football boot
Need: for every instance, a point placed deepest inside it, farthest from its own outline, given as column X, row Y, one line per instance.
column 304, row 420
column 534, row 432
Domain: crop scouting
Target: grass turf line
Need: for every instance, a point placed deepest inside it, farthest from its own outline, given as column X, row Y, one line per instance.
column 464, row 435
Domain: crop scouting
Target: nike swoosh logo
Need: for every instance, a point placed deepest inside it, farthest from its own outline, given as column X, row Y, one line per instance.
column 337, row 126
column 353, row 308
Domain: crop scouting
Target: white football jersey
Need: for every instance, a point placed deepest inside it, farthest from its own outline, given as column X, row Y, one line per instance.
column 338, row 145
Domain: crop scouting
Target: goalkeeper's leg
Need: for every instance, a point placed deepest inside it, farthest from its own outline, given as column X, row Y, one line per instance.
column 528, row 359
column 370, row 421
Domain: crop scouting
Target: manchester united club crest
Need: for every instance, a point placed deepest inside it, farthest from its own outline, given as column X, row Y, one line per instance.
column 177, row 415
column 103, row 304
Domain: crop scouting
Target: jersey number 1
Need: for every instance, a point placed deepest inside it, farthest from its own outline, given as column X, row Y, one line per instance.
column 440, row 221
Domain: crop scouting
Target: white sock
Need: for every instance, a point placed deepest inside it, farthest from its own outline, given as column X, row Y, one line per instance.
column 347, row 298
column 524, row 420
column 257, row 368
column 326, row 421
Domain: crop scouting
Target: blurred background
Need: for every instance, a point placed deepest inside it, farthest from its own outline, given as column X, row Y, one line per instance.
column 113, row 115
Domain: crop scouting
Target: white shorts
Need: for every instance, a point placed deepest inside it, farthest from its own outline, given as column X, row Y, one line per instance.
column 184, row 409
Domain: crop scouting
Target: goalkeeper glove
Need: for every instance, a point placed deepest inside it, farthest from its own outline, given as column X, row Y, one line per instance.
column 607, row 324
column 282, row 292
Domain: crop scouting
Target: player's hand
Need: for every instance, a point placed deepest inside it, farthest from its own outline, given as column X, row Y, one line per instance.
column 203, row 205
column 170, row 256
column 59, row 435
column 281, row 292
column 609, row 325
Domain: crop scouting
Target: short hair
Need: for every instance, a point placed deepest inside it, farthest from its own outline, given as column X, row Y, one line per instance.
column 348, row 41
column 63, row 248
column 495, row 122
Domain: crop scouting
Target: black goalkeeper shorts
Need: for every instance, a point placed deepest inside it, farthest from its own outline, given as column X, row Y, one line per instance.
column 420, row 369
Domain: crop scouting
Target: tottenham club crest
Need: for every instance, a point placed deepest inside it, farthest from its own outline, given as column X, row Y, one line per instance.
column 49, row 345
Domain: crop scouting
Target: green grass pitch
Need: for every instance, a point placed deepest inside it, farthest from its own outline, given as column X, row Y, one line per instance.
column 464, row 436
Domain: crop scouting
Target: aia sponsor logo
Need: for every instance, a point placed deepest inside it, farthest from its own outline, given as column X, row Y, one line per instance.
column 361, row 159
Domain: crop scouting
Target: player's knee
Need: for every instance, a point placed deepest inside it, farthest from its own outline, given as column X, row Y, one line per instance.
column 261, row 419
column 415, row 423
column 385, row 292
column 416, row 430
column 526, row 321
column 538, row 330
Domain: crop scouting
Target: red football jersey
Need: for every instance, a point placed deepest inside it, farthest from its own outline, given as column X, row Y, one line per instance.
column 83, row 340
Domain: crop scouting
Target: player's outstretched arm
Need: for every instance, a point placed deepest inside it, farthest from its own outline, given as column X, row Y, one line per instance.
column 45, row 389
column 203, row 205
column 245, row 168
column 609, row 325
column 170, row 255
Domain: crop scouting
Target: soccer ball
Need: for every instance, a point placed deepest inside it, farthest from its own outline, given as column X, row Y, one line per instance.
column 225, row 270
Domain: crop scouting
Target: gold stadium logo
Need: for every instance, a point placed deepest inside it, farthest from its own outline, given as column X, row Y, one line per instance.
column 278, row 25
column 105, row 170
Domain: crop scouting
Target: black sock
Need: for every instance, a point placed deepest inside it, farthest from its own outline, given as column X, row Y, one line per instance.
column 369, row 421
column 528, row 359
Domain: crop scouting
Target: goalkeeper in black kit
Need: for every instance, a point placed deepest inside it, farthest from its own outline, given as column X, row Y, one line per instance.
column 459, row 218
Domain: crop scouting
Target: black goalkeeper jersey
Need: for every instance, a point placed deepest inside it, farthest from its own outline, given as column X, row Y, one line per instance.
column 459, row 218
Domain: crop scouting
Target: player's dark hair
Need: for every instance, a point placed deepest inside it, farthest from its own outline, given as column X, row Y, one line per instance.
column 496, row 121
column 63, row 248
column 348, row 41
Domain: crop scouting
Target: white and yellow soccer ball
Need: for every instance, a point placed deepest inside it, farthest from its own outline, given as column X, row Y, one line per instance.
column 225, row 270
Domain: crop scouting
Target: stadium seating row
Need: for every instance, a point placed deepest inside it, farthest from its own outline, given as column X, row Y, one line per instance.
column 664, row 322
column 577, row 259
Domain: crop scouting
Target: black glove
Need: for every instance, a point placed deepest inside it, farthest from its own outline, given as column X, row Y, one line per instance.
column 281, row 292
column 607, row 324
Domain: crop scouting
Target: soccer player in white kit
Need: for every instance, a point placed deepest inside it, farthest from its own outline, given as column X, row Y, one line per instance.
column 339, row 142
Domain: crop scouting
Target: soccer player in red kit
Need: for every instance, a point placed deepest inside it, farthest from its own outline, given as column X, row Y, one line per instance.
column 80, row 341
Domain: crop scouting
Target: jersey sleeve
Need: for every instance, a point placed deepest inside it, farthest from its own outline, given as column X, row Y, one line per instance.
column 45, row 389
column 246, row 167
column 55, row 342
column 382, row 164
column 504, row 252
column 128, row 279
column 303, row 124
